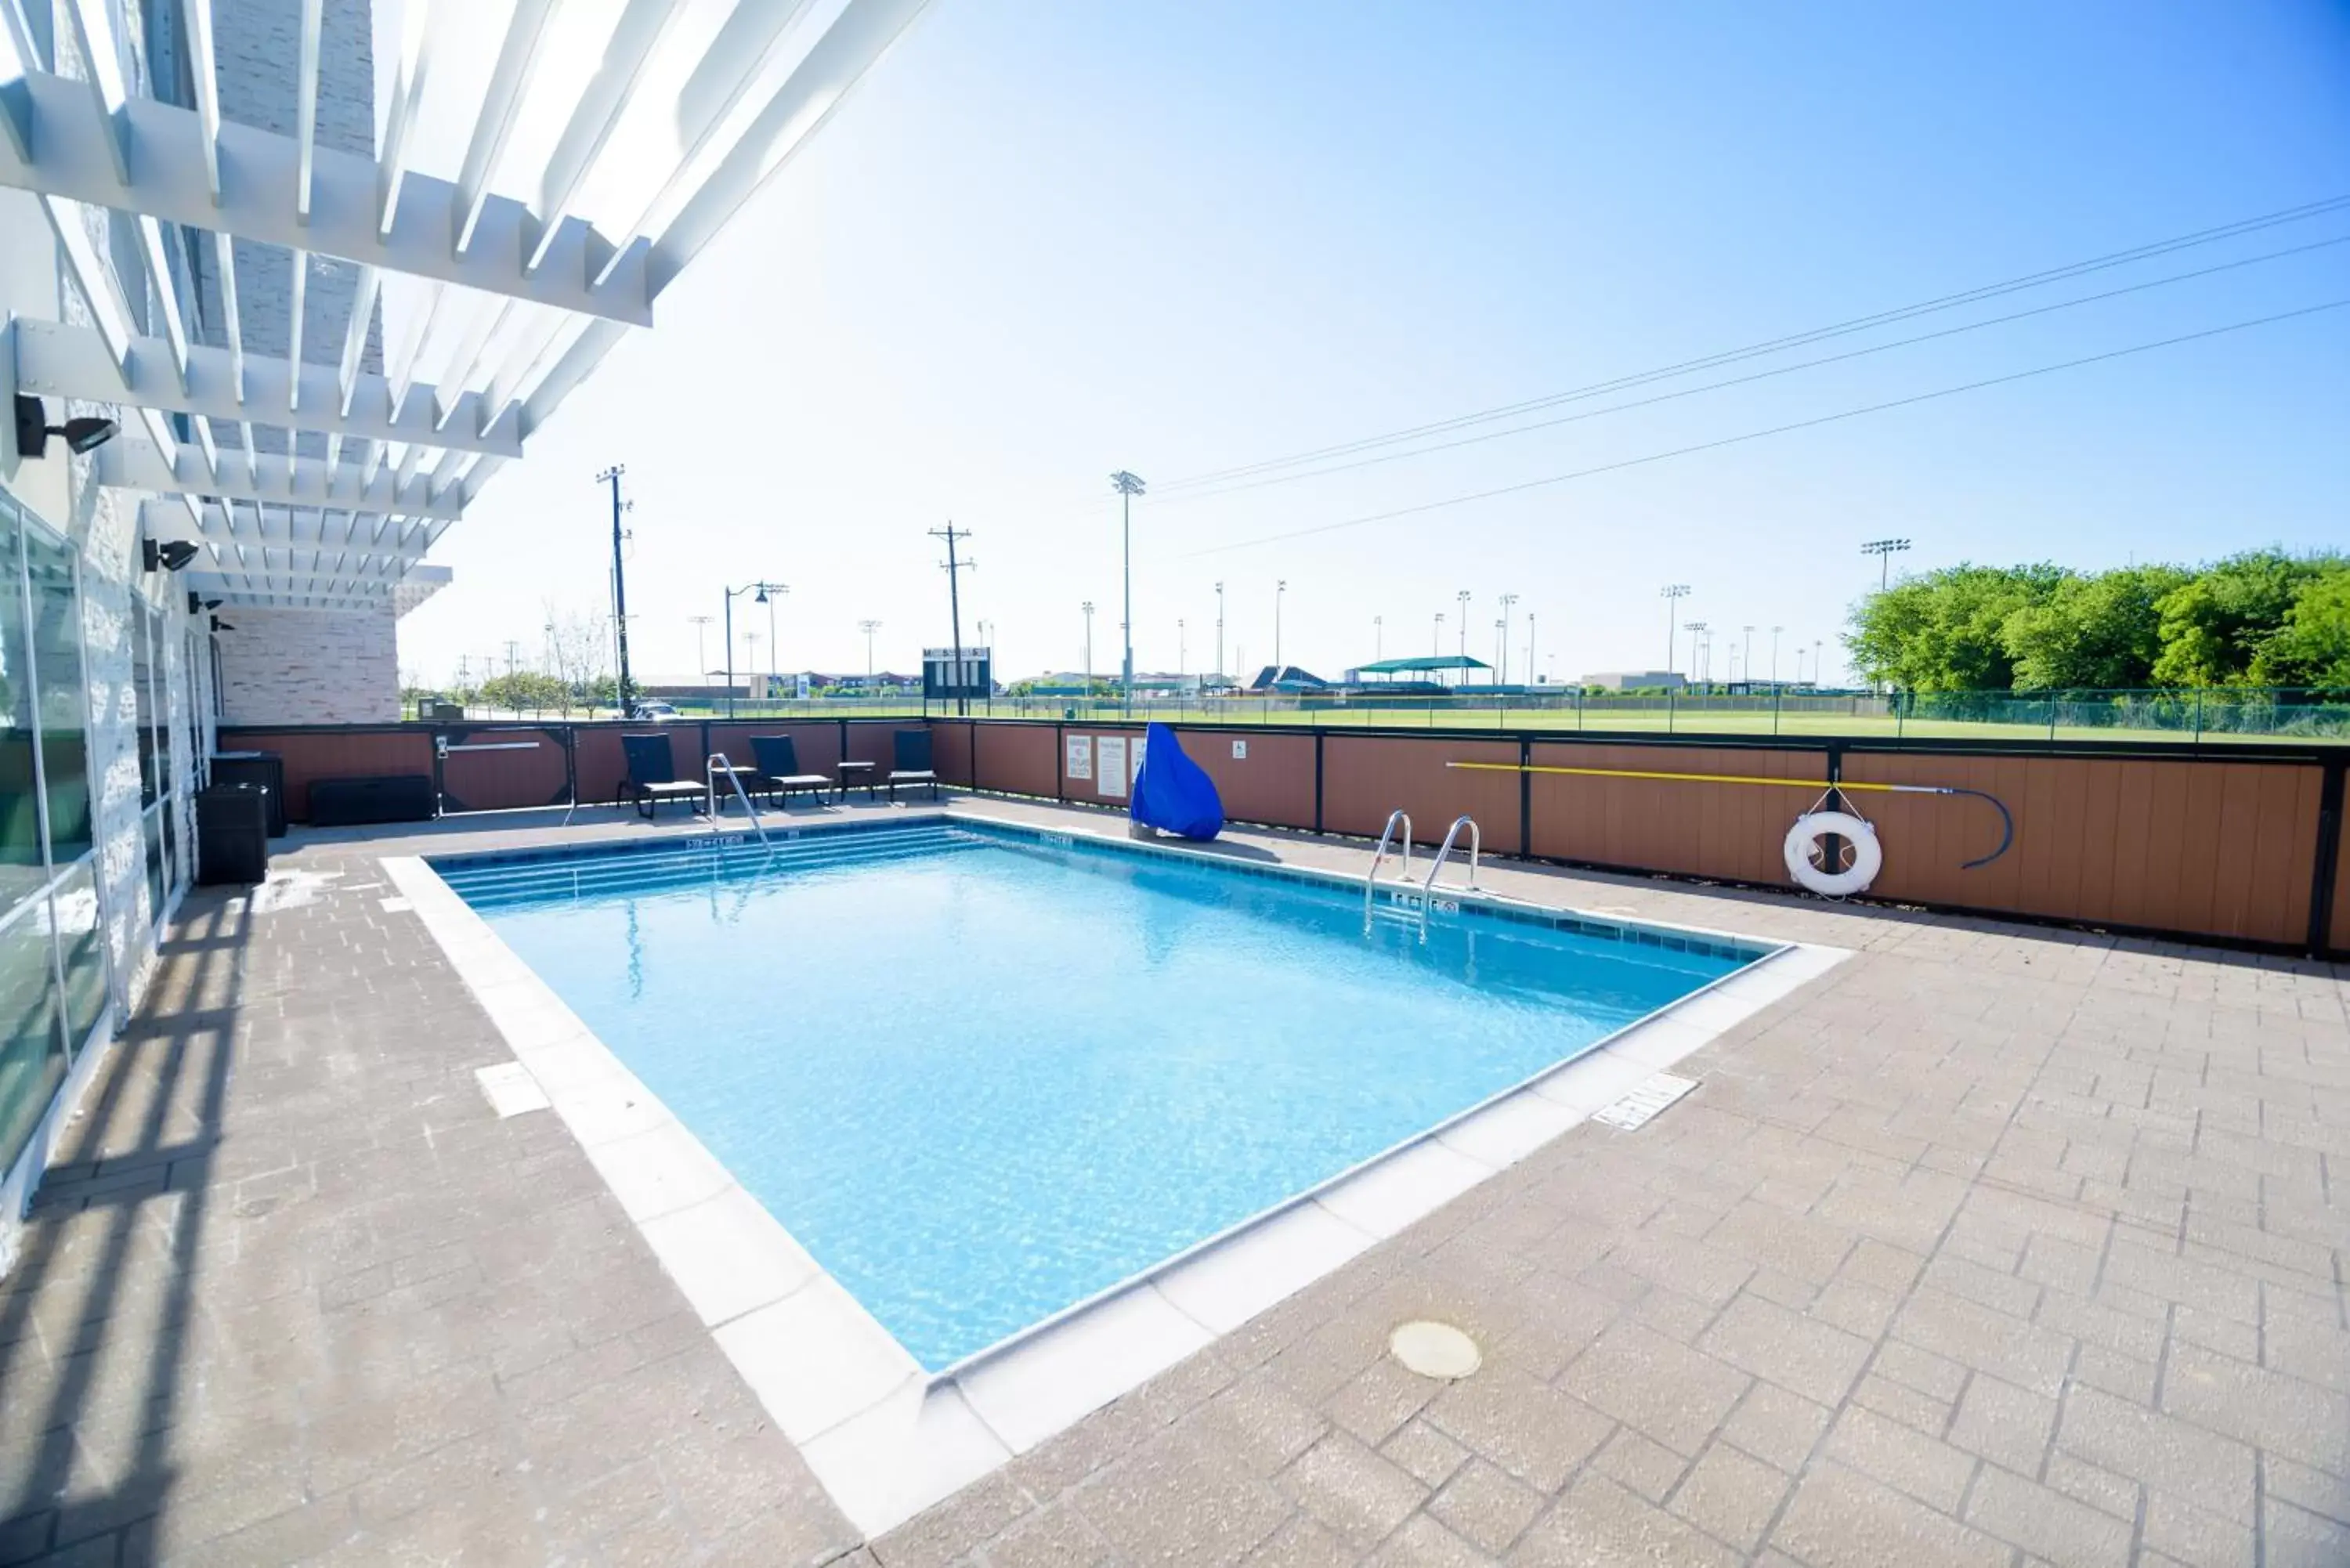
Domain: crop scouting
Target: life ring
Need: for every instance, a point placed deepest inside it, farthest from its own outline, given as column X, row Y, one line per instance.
column 1803, row 841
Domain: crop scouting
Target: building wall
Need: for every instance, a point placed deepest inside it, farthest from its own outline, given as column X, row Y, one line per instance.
column 309, row 667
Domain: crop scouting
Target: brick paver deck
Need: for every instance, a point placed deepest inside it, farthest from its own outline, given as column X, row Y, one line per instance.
column 1995, row 1246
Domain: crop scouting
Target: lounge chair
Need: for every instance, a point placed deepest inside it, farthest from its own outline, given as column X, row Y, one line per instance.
column 911, row 763
column 779, row 770
column 652, row 775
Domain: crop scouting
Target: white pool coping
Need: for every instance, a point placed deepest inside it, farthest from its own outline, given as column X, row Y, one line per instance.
column 888, row 1440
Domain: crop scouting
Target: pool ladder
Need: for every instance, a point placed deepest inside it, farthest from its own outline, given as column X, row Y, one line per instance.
column 711, row 769
column 1401, row 910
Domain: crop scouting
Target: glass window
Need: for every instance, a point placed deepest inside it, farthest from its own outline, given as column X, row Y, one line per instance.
column 22, row 868
column 57, row 661
column 143, row 692
column 81, row 944
column 32, row 1050
column 150, row 828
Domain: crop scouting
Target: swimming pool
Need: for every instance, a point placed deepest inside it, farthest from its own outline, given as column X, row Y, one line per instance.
column 982, row 1074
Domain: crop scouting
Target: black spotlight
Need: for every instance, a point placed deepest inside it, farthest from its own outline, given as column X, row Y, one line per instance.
column 220, row 624
column 34, row 430
column 198, row 604
column 168, row 556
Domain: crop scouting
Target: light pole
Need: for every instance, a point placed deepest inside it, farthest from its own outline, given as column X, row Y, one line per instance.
column 1696, row 628
column 1280, row 587
column 701, row 651
column 1181, row 650
column 1669, row 593
column 1884, row 550
column 1750, row 656
column 1220, row 671
column 763, row 591
column 1088, row 607
column 868, row 628
column 1501, row 651
column 1774, row 653
column 1817, row 668
column 1379, row 639
column 1436, row 638
column 1507, row 600
column 1531, row 676
column 1463, row 597
column 774, row 648
column 1127, row 486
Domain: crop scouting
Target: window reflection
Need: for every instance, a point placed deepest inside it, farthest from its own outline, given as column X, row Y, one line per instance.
column 57, row 659
column 22, row 870
column 81, row 946
column 32, row 1050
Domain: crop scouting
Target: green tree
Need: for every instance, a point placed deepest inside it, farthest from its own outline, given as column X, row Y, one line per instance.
column 1946, row 631
column 2313, row 647
column 2104, row 631
column 2214, row 625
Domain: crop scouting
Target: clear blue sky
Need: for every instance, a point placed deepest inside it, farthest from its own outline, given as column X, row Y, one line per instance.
column 1046, row 240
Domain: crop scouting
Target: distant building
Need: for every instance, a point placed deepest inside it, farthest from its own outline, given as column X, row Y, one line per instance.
column 1417, row 675
column 1636, row 681
column 1287, row 677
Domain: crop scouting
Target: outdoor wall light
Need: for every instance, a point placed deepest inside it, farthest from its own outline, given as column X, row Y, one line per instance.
column 220, row 624
column 198, row 604
column 168, row 556
column 34, row 430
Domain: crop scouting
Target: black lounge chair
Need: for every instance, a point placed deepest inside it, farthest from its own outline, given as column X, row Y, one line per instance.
column 779, row 770
column 652, row 775
column 910, row 763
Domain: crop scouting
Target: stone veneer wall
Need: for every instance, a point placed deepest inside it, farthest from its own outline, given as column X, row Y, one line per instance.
column 308, row 667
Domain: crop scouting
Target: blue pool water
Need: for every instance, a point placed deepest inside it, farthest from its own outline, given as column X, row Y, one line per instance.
column 983, row 1076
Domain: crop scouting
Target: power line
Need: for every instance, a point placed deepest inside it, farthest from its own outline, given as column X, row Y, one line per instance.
column 1793, row 341
column 1772, row 431
column 1775, row 371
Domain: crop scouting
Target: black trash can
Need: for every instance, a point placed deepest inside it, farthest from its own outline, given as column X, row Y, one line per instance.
column 233, row 834
column 265, row 768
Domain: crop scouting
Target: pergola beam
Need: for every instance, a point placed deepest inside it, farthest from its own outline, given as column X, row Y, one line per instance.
column 128, row 464
column 54, row 361
column 168, row 179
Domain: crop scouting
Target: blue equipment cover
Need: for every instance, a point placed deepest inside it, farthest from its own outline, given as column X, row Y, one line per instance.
column 1173, row 793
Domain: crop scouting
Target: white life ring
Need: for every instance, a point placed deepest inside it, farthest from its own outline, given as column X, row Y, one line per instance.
column 1803, row 840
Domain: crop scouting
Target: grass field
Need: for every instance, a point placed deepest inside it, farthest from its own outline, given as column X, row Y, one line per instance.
column 2169, row 721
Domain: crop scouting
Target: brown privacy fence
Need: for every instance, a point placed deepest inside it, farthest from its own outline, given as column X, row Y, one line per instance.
column 2239, row 846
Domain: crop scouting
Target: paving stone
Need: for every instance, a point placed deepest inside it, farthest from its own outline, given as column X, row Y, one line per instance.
column 1776, row 1427
column 1057, row 1536
column 1730, row 1496
column 2169, row 1456
column 1648, row 1467
column 1528, row 1428
column 1302, row 1543
column 1908, row 1460
column 1353, row 1491
column 1180, row 1499
column 2299, row 1420
column 2004, row 1424
column 1898, row 1402
column 1485, row 1508
column 1985, row 1339
column 1670, row 1393
column 1840, row 1519
column 1812, row 1359
column 1378, row 1401
column 2099, row 1488
column 1599, row 1524
column 2044, row 1521
column 1424, row 1543
column 2179, row 1530
column 1424, row 1452
column 2297, row 1538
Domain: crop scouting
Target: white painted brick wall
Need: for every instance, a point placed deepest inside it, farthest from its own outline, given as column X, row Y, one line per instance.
column 308, row 667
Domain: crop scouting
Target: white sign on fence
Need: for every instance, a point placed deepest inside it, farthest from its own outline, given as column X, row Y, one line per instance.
column 1113, row 766
column 1080, row 765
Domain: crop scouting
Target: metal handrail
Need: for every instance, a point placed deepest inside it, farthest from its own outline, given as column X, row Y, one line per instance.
column 1476, row 846
column 710, row 787
column 1387, row 834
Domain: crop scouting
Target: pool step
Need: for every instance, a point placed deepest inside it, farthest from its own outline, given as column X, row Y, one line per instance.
column 528, row 881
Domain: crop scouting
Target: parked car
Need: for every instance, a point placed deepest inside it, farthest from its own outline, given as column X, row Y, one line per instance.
column 658, row 712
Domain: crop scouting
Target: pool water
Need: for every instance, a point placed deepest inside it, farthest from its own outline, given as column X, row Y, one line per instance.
column 981, row 1077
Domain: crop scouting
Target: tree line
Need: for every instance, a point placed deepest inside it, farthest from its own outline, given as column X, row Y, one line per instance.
column 2264, row 617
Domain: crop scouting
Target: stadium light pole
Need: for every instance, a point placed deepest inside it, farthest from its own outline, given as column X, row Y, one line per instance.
column 1507, row 600
column 1774, row 653
column 1280, row 588
column 1088, row 607
column 1379, row 638
column 1671, row 593
column 1748, row 656
column 868, row 628
column 701, row 647
column 1697, row 630
column 1127, row 486
column 1884, row 550
column 1532, row 677
column 1182, row 652
column 1436, row 638
column 1463, row 597
column 1219, row 670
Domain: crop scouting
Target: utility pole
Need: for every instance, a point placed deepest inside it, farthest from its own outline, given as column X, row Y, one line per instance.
column 868, row 628
column 1220, row 670
column 1127, row 486
column 1670, row 593
column 512, row 649
column 1507, row 600
column 776, row 591
column 701, row 647
column 954, row 598
column 619, row 585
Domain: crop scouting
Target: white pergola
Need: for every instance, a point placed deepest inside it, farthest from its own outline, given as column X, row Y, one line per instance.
column 522, row 295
